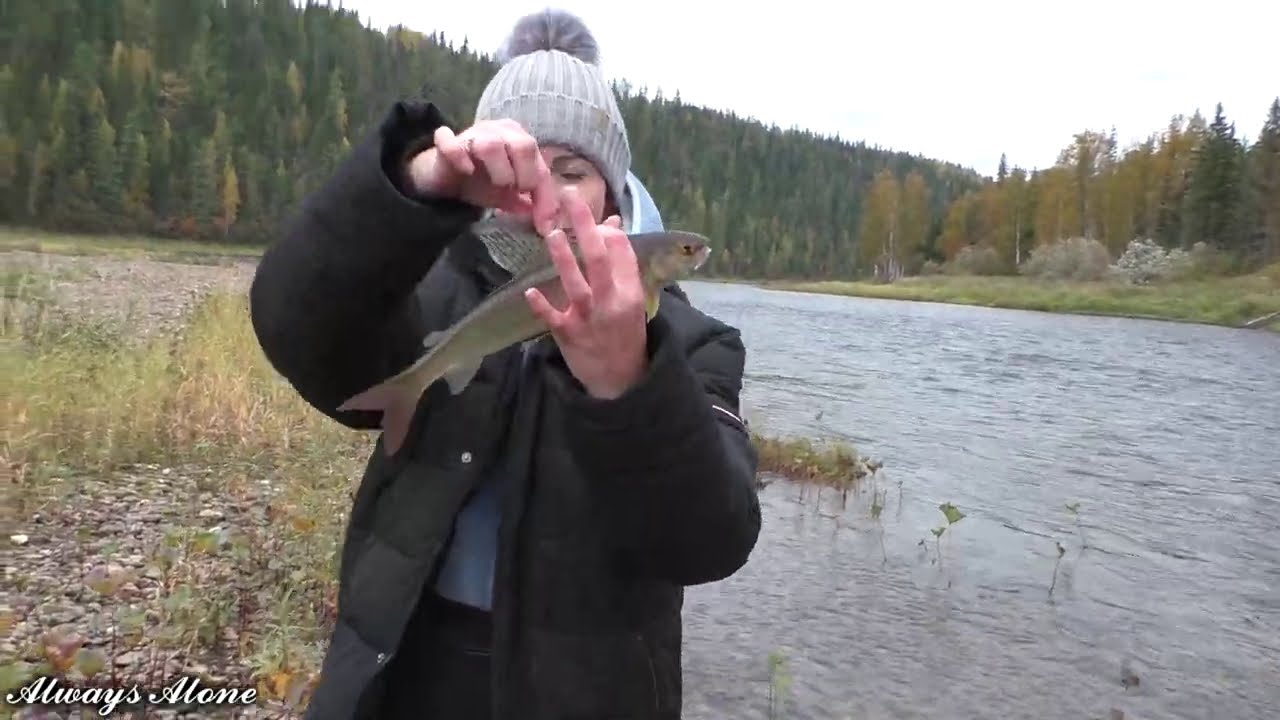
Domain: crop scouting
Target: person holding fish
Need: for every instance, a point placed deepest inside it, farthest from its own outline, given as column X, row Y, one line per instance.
column 521, row 539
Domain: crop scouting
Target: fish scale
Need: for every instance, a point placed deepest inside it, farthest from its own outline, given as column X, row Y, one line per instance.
column 511, row 243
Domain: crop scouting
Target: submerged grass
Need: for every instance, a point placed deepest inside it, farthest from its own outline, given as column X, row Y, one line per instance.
column 835, row 464
column 177, row 509
column 1229, row 301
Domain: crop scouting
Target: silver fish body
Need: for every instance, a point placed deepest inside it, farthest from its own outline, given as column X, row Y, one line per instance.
column 504, row 318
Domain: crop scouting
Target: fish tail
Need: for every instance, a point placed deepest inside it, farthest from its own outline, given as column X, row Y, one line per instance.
column 397, row 400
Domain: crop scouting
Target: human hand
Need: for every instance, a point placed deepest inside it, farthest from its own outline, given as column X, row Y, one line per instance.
column 492, row 164
column 602, row 330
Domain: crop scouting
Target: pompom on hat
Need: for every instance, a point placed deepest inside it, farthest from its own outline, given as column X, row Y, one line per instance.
column 550, row 82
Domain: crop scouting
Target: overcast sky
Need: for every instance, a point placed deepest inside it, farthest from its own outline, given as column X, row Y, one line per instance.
column 959, row 81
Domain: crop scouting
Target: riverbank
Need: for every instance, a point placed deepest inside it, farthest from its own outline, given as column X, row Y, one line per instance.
column 1216, row 301
column 175, row 508
column 1226, row 301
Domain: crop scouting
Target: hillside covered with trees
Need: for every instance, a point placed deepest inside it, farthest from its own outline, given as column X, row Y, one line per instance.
column 213, row 118
column 1197, row 181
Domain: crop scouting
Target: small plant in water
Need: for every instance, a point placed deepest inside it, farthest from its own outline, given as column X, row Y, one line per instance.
column 779, row 683
column 1056, row 562
column 1074, row 509
column 878, row 498
column 952, row 515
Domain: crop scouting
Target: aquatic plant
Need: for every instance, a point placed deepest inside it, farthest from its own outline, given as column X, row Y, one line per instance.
column 779, row 683
column 1074, row 509
column 1056, row 562
column 952, row 515
column 878, row 498
column 814, row 464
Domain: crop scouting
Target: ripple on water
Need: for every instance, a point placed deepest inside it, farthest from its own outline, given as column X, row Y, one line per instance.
column 1011, row 415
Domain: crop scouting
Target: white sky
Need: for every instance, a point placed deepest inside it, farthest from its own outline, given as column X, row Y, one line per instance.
column 958, row 81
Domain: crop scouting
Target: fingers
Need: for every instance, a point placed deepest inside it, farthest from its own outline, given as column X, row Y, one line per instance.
column 529, row 168
column 575, row 285
column 544, row 204
column 619, row 249
column 594, row 254
column 489, row 149
column 533, row 177
column 453, row 150
column 513, row 162
column 544, row 310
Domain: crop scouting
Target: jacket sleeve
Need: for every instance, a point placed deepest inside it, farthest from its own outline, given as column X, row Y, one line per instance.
column 672, row 460
column 332, row 301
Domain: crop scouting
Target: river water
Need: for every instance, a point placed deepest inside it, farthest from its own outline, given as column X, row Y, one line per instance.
column 1166, row 434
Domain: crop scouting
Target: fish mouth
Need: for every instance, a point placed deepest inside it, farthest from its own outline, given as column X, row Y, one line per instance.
column 700, row 257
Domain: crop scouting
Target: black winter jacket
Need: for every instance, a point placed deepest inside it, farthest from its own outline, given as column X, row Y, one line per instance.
column 617, row 505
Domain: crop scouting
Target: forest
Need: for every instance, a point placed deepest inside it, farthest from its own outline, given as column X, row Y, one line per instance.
column 212, row 119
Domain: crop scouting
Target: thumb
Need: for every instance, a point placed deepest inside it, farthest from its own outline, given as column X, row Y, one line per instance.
column 614, row 221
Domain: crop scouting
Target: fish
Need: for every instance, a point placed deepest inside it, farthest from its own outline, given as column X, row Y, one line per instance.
column 511, row 242
column 504, row 318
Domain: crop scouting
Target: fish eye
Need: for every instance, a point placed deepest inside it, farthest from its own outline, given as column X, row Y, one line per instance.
column 687, row 249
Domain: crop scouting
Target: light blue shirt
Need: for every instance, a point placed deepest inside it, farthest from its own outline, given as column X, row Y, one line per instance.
column 466, row 575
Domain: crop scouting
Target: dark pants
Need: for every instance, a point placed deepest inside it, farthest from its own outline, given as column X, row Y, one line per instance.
column 442, row 669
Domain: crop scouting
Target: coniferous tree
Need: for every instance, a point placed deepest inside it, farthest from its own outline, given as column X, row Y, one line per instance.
column 214, row 118
column 1194, row 182
column 1262, row 196
column 1212, row 210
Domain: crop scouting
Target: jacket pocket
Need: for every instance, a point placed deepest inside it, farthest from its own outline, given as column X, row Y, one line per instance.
column 596, row 676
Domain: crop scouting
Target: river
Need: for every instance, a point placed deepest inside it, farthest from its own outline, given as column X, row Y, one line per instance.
column 1166, row 434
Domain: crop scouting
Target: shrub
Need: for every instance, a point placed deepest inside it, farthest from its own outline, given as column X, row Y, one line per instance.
column 1070, row 259
column 1144, row 262
column 977, row 260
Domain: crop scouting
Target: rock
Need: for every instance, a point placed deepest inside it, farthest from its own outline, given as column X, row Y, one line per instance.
column 132, row 657
column 19, row 539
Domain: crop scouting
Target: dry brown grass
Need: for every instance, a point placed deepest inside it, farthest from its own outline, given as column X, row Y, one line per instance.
column 173, row 507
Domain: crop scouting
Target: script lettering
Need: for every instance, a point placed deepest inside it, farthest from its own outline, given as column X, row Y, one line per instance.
column 49, row 692
column 185, row 692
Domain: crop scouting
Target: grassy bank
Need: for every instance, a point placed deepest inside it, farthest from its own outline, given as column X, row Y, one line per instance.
column 161, row 249
column 1218, row 301
column 1230, row 301
column 176, row 509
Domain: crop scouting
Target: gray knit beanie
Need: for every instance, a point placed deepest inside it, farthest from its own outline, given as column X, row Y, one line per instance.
column 550, row 82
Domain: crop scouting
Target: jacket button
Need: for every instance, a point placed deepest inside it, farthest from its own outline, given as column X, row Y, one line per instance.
column 466, row 457
column 381, row 658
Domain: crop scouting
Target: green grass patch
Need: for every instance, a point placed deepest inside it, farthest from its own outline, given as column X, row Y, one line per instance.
column 162, row 249
column 1229, row 301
